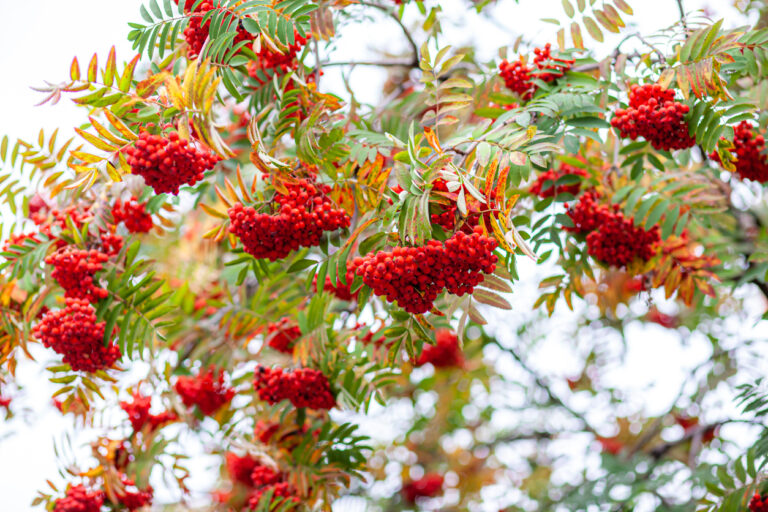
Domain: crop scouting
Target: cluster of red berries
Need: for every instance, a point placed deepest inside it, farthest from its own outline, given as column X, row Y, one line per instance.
column 428, row 486
column 654, row 114
column 751, row 162
column 544, row 186
column 196, row 33
column 519, row 77
column 111, row 243
column 280, row 491
column 206, row 390
column 445, row 353
column 446, row 215
column 260, row 479
column 19, row 239
column 612, row 238
column 758, row 503
column 133, row 214
column 74, row 269
column 341, row 291
column 274, row 62
column 166, row 163
column 133, row 498
column 46, row 219
column 303, row 387
column 139, row 416
column 415, row 276
column 302, row 216
column 74, row 333
column 79, row 499
column 281, row 335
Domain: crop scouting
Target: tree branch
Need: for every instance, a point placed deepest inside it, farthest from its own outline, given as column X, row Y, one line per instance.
column 414, row 47
column 541, row 383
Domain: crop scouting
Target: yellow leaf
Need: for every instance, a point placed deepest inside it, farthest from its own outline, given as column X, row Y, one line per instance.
column 74, row 70
column 95, row 141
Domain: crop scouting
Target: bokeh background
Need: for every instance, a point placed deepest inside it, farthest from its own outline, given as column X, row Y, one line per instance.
column 38, row 40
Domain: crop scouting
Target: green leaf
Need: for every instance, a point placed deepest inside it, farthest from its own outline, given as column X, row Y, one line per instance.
column 588, row 122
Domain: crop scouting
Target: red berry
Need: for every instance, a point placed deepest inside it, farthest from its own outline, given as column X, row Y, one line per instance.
column 196, row 33
column 282, row 335
column 133, row 214
column 445, row 353
column 299, row 219
column 206, row 390
column 274, row 62
column 79, row 499
column 543, row 189
column 414, row 276
column 74, row 270
column 751, row 162
column 166, row 163
column 303, row 387
column 758, row 503
column 74, row 333
column 131, row 497
column 429, row 486
column 519, row 77
column 611, row 237
column 139, row 416
column 654, row 115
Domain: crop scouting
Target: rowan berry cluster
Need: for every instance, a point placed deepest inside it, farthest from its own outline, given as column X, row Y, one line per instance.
column 111, row 243
column 280, row 491
column 281, row 335
column 275, row 62
column 196, row 33
column 749, row 147
column 300, row 219
column 74, row 270
column 611, row 237
column 519, row 77
column 545, row 185
column 428, row 486
column 257, row 478
column 341, row 291
column 74, row 333
column 166, row 163
column 446, row 216
column 19, row 240
column 758, row 503
column 79, row 499
column 550, row 68
column 139, row 416
column 414, row 276
column 618, row 241
column 303, row 387
column 133, row 498
column 47, row 219
column 133, row 214
column 654, row 114
column 206, row 390
column 445, row 353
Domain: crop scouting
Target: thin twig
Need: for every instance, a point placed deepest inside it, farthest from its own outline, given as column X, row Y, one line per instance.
column 682, row 14
column 540, row 382
column 414, row 47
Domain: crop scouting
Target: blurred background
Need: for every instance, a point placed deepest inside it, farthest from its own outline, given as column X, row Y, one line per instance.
column 647, row 366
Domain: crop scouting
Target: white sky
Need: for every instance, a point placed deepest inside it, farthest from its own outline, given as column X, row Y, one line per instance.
column 39, row 39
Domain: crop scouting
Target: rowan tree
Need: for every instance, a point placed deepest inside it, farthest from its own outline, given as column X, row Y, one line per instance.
column 289, row 263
